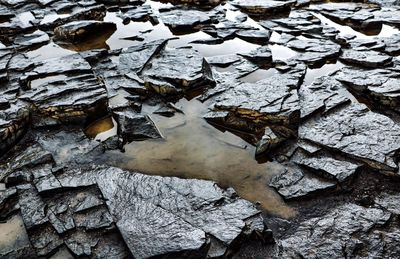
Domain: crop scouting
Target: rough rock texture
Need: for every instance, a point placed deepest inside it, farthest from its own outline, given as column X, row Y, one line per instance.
column 356, row 132
column 381, row 86
column 293, row 183
column 342, row 232
column 366, row 58
column 81, row 30
column 272, row 100
column 260, row 7
column 180, row 69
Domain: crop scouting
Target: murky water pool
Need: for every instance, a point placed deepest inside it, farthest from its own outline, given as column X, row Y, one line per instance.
column 13, row 235
column 192, row 148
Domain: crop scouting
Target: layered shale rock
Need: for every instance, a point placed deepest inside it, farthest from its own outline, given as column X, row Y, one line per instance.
column 357, row 132
column 68, row 99
column 346, row 230
column 81, row 30
column 14, row 121
column 260, row 7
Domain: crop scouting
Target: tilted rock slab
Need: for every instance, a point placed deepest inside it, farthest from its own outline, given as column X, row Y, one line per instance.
column 357, row 132
column 161, row 215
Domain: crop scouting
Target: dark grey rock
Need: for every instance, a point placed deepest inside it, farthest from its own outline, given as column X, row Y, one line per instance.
column 182, row 68
column 261, row 56
column 82, row 30
column 356, row 132
column 314, row 51
column 371, row 59
column 133, row 126
column 381, row 86
column 35, row 39
column 184, row 19
column 324, row 94
column 134, row 59
column 70, row 99
column 390, row 202
column 33, row 209
column 13, row 124
column 327, row 167
column 183, row 204
column 335, row 235
column 293, row 183
column 272, row 100
column 70, row 147
column 263, row 7
column 268, row 142
column 29, row 158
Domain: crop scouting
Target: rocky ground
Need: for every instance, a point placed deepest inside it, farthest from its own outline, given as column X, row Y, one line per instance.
column 199, row 129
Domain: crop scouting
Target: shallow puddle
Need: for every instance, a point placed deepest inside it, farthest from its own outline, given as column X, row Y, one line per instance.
column 102, row 129
column 13, row 235
column 50, row 50
column 326, row 69
column 258, row 75
column 280, row 52
column 194, row 149
column 385, row 31
column 226, row 48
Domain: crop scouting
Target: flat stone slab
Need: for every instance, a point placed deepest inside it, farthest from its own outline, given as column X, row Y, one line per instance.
column 327, row 167
column 293, row 183
column 273, row 100
column 357, row 132
column 182, row 68
column 181, row 19
column 324, row 94
column 81, row 30
column 380, row 86
column 345, row 227
column 157, row 215
column 68, row 99
column 263, row 7
column 369, row 59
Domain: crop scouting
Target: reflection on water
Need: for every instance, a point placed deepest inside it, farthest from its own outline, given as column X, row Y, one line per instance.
column 95, row 41
column 322, row 71
column 384, row 31
column 50, row 50
column 226, row 48
column 280, row 52
column 102, row 129
column 13, row 235
column 194, row 149
column 258, row 75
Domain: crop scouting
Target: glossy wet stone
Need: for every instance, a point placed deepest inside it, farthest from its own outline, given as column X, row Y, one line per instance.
column 291, row 105
column 180, row 69
column 339, row 227
column 259, row 7
column 293, row 183
column 324, row 94
column 81, row 30
column 71, row 99
column 378, row 85
column 187, row 221
column 371, row 59
column 357, row 132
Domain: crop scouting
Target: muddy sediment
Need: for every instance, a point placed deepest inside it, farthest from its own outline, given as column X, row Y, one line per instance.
column 199, row 129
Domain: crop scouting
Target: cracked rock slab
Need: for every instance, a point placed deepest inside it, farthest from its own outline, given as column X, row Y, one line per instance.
column 369, row 59
column 293, row 183
column 335, row 235
column 357, row 132
column 161, row 215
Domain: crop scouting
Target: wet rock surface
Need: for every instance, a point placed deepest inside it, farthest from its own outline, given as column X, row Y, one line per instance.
column 199, row 129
